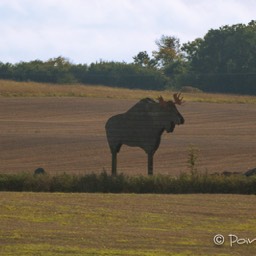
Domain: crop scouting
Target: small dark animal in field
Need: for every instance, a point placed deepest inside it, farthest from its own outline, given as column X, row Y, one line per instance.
column 227, row 173
column 142, row 126
column 250, row 172
column 39, row 171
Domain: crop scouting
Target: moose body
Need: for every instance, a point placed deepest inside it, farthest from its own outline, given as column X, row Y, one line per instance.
column 142, row 126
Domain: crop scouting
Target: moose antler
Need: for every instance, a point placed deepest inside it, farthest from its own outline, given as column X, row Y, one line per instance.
column 178, row 99
column 162, row 102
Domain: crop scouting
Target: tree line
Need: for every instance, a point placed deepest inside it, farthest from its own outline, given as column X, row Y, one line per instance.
column 61, row 70
column 223, row 61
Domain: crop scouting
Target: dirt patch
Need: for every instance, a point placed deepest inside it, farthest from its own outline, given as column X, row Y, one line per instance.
column 68, row 135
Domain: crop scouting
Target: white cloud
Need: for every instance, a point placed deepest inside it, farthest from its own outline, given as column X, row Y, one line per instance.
column 86, row 31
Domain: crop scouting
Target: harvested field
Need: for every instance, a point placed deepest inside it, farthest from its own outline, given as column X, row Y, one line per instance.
column 125, row 224
column 67, row 135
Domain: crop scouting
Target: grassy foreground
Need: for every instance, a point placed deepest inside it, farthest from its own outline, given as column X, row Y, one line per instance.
column 125, row 224
column 32, row 89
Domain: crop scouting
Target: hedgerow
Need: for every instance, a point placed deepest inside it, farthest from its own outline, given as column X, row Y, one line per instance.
column 104, row 183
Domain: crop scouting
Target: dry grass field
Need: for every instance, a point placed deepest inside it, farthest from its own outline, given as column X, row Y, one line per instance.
column 125, row 224
column 66, row 134
column 32, row 89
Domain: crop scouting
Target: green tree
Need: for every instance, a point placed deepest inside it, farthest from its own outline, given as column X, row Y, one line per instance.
column 125, row 75
column 168, row 59
column 168, row 50
column 225, row 59
column 171, row 60
column 191, row 49
column 143, row 59
column 6, row 70
column 61, row 69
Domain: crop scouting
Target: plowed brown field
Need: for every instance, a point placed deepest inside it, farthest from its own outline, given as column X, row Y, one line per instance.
column 68, row 135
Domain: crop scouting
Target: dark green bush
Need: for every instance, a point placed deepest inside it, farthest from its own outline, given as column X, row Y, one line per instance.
column 194, row 182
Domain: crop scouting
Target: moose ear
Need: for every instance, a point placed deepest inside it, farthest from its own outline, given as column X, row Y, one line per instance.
column 162, row 102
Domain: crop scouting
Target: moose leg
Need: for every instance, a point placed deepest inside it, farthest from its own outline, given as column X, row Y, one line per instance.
column 114, row 151
column 114, row 163
column 150, row 163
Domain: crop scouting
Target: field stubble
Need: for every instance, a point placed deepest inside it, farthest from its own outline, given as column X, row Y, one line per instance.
column 122, row 224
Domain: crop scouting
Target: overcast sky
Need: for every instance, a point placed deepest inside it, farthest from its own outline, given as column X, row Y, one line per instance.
column 87, row 31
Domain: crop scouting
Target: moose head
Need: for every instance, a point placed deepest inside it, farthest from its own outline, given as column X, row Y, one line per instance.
column 170, row 113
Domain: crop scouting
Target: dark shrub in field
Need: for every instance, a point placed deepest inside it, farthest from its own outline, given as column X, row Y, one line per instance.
column 194, row 182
